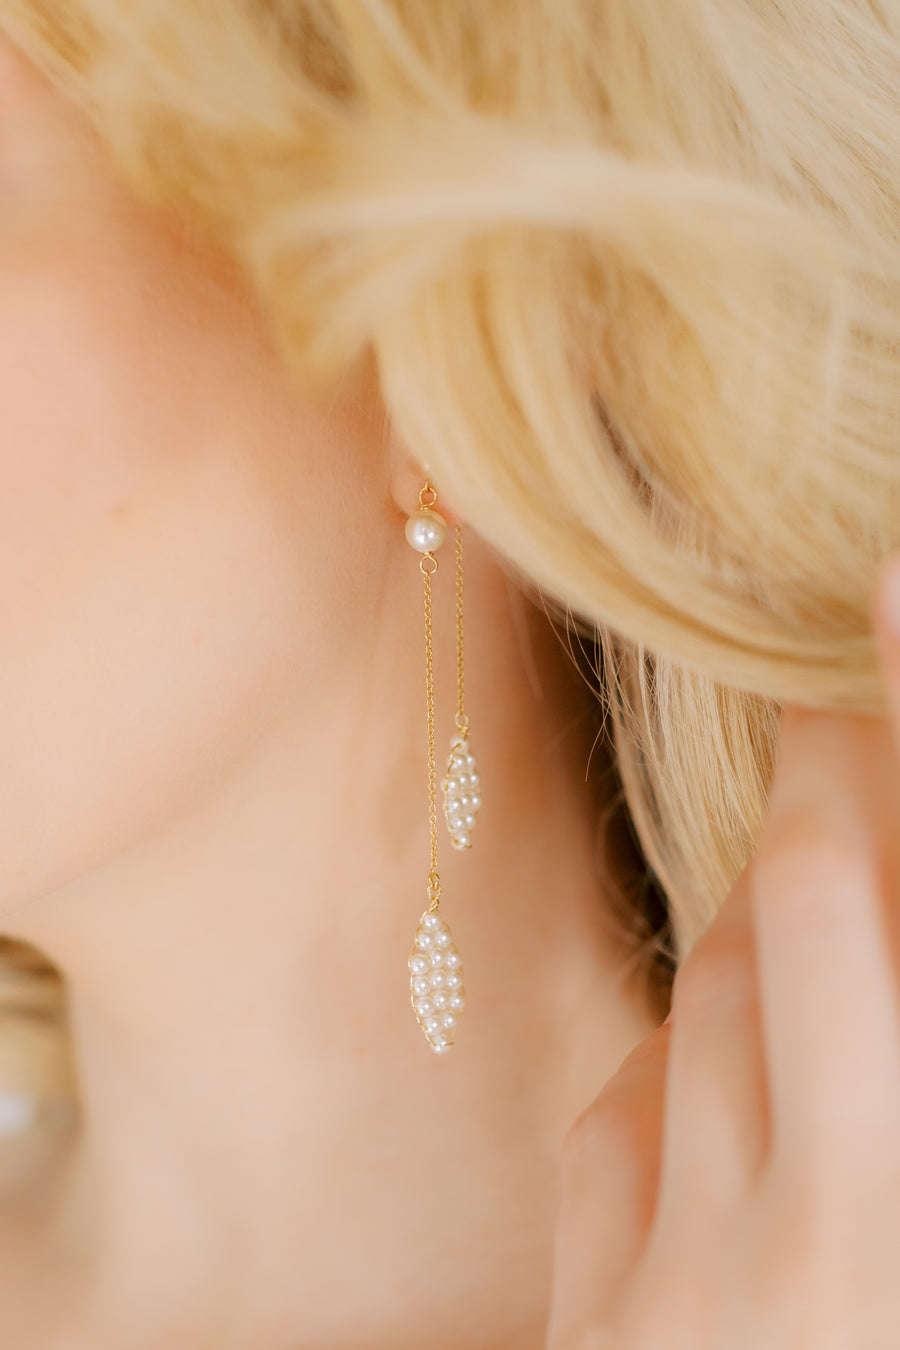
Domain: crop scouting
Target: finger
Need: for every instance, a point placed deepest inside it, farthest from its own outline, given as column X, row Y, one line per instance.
column 716, row 1114
column 829, row 1008
column 609, row 1176
column 886, row 626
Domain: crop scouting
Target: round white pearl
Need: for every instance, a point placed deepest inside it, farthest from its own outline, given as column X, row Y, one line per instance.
column 456, row 1001
column 451, row 786
column 457, row 822
column 452, row 980
column 425, row 939
column 433, row 1024
column 470, row 760
column 459, row 840
column 442, row 939
column 470, row 821
column 432, row 920
column 450, row 958
column 437, row 979
column 426, row 530
column 440, row 1000
column 426, row 1005
column 449, row 1019
column 421, row 984
column 441, row 1047
column 476, row 802
column 473, row 780
column 419, row 963
column 436, row 956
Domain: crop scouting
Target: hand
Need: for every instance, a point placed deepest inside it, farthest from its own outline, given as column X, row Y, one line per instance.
column 736, row 1184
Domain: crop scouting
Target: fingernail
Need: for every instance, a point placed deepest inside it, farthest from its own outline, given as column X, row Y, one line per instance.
column 890, row 596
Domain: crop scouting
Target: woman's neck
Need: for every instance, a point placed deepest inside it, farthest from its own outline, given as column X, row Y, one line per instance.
column 267, row 1134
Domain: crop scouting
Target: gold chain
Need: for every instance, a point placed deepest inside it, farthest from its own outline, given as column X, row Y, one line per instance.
column 461, row 720
column 428, row 565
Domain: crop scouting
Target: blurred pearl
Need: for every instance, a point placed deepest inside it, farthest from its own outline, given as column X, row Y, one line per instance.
column 426, row 530
column 18, row 1112
column 419, row 964
column 449, row 1019
column 436, row 956
column 421, row 984
column 432, row 920
column 440, row 1000
column 425, row 939
column 433, row 1024
column 442, row 939
column 450, row 959
column 476, row 802
column 437, row 979
column 456, row 1001
column 452, row 980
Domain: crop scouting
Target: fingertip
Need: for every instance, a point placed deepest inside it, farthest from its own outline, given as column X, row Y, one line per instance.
column 887, row 600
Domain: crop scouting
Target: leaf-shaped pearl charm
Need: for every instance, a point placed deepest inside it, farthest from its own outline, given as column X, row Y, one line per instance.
column 461, row 791
column 436, row 981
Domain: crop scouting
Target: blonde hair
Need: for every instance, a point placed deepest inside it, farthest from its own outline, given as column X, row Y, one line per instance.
column 630, row 273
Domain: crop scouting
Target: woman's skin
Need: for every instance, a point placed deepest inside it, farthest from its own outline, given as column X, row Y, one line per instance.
column 214, row 821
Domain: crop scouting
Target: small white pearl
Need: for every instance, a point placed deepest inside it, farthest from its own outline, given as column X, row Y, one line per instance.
column 470, row 821
column 458, row 762
column 421, row 984
column 465, row 803
column 453, row 806
column 441, row 1047
column 433, row 1024
column 449, row 959
column 437, row 979
column 436, row 956
column 443, row 938
column 440, row 1000
column 476, row 802
column 457, row 822
column 419, row 963
column 432, row 920
column 451, row 786
column 452, row 980
column 449, row 1019
column 473, row 780
column 425, row 939
column 456, row 1001
column 460, row 840
column 426, row 530
column 427, row 1005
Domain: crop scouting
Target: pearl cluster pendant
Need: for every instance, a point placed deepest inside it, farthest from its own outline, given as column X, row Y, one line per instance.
column 461, row 796
column 436, row 981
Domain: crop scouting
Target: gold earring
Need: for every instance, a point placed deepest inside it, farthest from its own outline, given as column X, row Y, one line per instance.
column 461, row 785
column 436, row 987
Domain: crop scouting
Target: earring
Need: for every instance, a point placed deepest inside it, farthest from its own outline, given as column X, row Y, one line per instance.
column 461, row 783
column 436, row 987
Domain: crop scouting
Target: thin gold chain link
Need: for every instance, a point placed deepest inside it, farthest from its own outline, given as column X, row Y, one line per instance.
column 461, row 720
column 428, row 565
